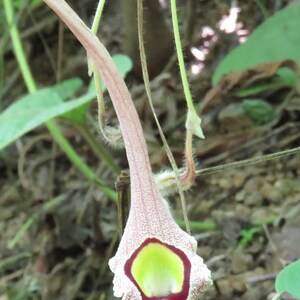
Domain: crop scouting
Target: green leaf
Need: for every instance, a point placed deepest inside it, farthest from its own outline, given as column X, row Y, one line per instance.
column 77, row 116
column 277, row 38
column 247, row 235
column 124, row 65
column 288, row 280
column 287, row 77
column 67, row 88
column 258, row 110
column 34, row 110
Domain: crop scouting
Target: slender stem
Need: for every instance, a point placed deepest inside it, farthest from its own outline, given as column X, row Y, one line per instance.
column 192, row 117
column 149, row 95
column 189, row 175
column 276, row 297
column 182, row 68
column 96, row 76
column 18, row 47
column 98, row 16
column 100, row 101
column 250, row 161
column 32, row 88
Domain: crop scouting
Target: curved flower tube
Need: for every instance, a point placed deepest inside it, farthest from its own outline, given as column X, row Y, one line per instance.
column 156, row 260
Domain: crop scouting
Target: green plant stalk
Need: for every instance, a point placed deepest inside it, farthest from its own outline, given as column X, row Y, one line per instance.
column 193, row 121
column 276, row 297
column 149, row 95
column 183, row 74
column 18, row 47
column 94, row 29
column 31, row 86
column 96, row 74
column 98, row 16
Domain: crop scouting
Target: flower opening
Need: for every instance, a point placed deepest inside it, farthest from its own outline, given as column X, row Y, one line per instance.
column 159, row 271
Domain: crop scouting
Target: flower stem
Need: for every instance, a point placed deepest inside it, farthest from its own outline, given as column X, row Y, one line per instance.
column 98, row 16
column 185, row 83
column 149, row 95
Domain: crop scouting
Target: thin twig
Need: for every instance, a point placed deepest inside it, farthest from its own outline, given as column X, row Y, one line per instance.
column 246, row 162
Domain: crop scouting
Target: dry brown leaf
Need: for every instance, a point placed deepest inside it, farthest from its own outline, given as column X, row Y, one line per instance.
column 243, row 79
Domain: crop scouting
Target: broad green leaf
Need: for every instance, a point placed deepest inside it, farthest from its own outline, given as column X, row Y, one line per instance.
column 288, row 280
column 277, row 38
column 77, row 116
column 124, row 65
column 258, row 110
column 287, row 77
column 67, row 88
column 34, row 110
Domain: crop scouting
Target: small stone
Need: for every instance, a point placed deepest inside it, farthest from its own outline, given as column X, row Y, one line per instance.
column 254, row 183
column 242, row 211
column 240, row 196
column 225, row 183
column 239, row 180
column 238, row 285
column 262, row 213
column 266, row 189
column 240, row 262
column 271, row 178
column 254, row 199
column 275, row 196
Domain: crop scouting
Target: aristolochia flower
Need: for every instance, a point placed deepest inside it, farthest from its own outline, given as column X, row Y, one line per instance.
column 156, row 259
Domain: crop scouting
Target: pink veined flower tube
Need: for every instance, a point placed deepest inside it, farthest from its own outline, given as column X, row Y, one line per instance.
column 156, row 260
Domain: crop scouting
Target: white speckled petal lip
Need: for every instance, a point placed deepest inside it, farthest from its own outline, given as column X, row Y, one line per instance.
column 149, row 217
column 155, row 222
